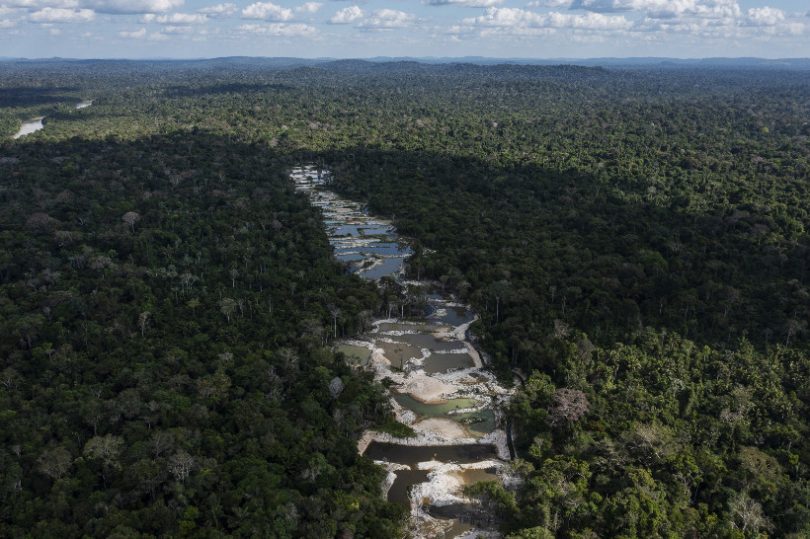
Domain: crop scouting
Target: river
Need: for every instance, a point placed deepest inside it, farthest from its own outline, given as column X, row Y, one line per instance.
column 35, row 124
column 437, row 381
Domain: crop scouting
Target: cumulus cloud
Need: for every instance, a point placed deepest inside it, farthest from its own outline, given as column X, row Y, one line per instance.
column 309, row 7
column 280, row 29
column 219, row 10
column 465, row 3
column 175, row 18
column 663, row 9
column 716, row 18
column 623, row 5
column 39, row 4
column 697, row 8
column 140, row 33
column 765, row 16
column 584, row 20
column 347, row 15
column 58, row 14
column 521, row 18
column 164, row 34
column 550, row 3
column 127, row 7
column 383, row 19
column 267, row 11
column 177, row 30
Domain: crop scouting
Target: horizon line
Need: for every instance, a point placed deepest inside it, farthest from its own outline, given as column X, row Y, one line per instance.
column 406, row 57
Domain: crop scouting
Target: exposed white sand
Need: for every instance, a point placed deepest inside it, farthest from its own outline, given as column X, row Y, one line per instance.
column 440, row 427
column 426, row 388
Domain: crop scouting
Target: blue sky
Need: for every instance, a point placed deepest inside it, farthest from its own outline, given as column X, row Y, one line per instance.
column 365, row 28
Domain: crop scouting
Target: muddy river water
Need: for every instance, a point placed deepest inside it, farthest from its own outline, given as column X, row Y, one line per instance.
column 438, row 384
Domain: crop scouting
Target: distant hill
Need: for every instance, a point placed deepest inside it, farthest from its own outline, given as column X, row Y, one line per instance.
column 408, row 62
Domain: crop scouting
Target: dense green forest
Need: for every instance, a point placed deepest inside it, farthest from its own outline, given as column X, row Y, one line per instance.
column 635, row 241
column 165, row 304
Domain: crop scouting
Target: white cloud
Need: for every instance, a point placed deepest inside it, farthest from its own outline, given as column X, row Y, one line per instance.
column 58, row 14
column 716, row 9
column 267, row 11
column 465, row 3
column 765, row 16
column 140, row 33
column 6, row 23
column 521, row 18
column 280, row 29
column 664, row 9
column 175, row 18
column 125, row 7
column 627, row 5
column 550, row 3
column 309, row 7
column 347, row 15
column 177, row 30
column 795, row 28
column 219, row 10
column 383, row 19
column 39, row 4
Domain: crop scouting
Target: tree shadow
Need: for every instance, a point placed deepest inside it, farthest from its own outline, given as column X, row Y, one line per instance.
column 593, row 253
column 29, row 97
column 218, row 89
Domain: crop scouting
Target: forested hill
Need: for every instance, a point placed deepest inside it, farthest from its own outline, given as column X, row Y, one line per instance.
column 635, row 240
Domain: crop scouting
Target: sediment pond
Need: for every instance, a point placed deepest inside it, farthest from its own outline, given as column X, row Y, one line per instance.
column 438, row 384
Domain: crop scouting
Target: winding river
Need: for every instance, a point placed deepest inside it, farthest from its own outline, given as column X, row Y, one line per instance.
column 35, row 124
column 437, row 380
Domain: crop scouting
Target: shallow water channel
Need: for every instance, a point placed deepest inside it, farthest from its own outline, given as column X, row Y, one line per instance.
column 438, row 385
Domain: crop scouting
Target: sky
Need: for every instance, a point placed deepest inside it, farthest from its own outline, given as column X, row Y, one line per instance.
column 439, row 28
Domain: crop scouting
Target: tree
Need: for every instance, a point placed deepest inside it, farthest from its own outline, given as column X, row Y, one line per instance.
column 335, row 312
column 567, row 406
column 41, row 221
column 180, row 465
column 131, row 218
column 747, row 514
column 143, row 321
column 106, row 449
column 336, row 387
column 55, row 462
column 227, row 306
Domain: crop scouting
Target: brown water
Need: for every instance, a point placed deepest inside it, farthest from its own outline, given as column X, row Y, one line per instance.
column 401, row 489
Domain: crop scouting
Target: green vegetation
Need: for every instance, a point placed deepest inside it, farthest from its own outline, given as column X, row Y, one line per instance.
column 164, row 310
column 635, row 242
